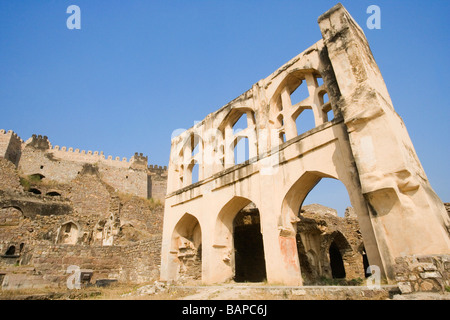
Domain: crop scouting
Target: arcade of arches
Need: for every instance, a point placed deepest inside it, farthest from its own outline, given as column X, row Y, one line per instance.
column 244, row 220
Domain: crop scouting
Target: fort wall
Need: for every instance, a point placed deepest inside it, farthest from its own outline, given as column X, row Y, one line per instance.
column 62, row 164
column 10, row 146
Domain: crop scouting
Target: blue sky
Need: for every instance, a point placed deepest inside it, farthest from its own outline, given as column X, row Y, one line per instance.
column 140, row 69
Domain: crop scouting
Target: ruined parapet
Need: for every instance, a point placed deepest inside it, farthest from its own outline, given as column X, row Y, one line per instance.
column 157, row 182
column 38, row 142
column 424, row 273
column 159, row 170
column 77, row 155
column 10, row 146
column 62, row 164
column 139, row 161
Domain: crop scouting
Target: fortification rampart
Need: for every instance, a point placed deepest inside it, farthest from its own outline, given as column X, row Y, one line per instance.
column 62, row 164
column 10, row 145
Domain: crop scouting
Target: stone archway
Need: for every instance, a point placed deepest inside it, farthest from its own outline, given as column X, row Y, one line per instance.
column 249, row 260
column 238, row 248
column 186, row 247
column 365, row 146
column 68, row 233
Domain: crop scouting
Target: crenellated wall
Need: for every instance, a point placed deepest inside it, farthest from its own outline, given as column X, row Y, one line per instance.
column 10, row 146
column 62, row 164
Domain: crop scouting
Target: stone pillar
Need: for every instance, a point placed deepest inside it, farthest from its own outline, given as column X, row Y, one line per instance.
column 289, row 123
column 407, row 216
column 280, row 246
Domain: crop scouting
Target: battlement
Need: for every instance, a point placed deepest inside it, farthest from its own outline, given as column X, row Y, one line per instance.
column 63, row 164
column 38, row 142
column 159, row 170
column 10, row 145
column 41, row 142
column 89, row 156
column 9, row 133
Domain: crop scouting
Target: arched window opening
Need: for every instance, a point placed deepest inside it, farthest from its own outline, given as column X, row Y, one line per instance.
column 300, row 94
column 11, row 251
column 336, row 262
column 241, row 150
column 241, row 124
column 305, row 121
column 325, row 98
column 319, row 81
column 35, row 191
column 196, row 149
column 326, row 105
column 68, row 233
column 330, row 115
column 195, row 173
column 280, row 121
column 249, row 258
column 54, row 193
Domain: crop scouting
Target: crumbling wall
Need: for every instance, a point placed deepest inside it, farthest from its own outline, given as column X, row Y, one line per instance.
column 157, row 186
column 318, row 227
column 9, row 180
column 48, row 226
column 10, row 146
column 426, row 273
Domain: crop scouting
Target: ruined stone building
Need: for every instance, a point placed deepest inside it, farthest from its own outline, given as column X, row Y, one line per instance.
column 62, row 208
column 229, row 219
column 230, row 206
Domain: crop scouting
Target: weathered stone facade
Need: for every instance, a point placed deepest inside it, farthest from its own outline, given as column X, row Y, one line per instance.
column 329, row 246
column 48, row 225
column 425, row 273
column 357, row 138
column 244, row 221
column 38, row 156
column 48, row 263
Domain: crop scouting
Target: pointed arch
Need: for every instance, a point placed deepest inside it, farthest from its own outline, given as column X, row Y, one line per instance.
column 68, row 233
column 186, row 245
column 238, row 240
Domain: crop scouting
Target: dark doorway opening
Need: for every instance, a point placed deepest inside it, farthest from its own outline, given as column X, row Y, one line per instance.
column 336, row 262
column 366, row 264
column 35, row 191
column 11, row 251
column 250, row 265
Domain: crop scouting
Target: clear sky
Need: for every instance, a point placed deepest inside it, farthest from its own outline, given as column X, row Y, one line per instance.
column 139, row 69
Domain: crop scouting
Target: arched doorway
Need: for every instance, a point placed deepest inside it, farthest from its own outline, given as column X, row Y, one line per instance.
column 365, row 261
column 68, row 233
column 250, row 264
column 322, row 229
column 238, row 243
column 187, row 246
column 336, row 262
